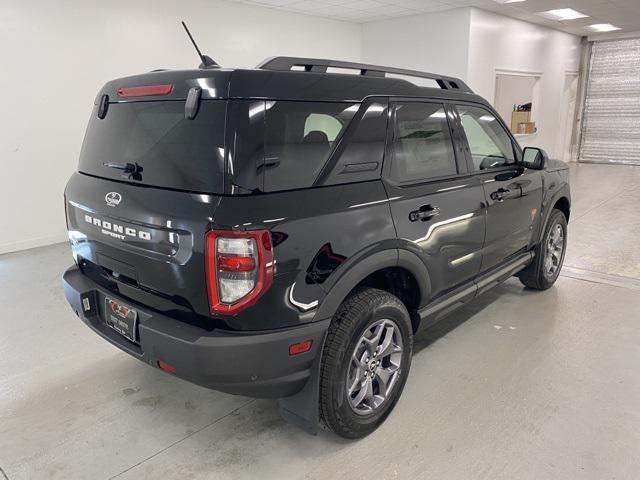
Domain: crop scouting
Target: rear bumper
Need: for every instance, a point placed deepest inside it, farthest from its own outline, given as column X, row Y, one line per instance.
column 255, row 364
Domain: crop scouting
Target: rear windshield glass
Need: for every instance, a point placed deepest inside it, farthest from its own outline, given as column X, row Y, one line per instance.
column 169, row 150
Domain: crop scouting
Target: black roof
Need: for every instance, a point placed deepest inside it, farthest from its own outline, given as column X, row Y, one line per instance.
column 292, row 78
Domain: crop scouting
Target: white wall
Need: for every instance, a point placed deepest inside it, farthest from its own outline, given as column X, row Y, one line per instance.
column 434, row 42
column 502, row 43
column 56, row 56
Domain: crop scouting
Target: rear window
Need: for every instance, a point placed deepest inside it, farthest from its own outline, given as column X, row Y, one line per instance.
column 171, row 151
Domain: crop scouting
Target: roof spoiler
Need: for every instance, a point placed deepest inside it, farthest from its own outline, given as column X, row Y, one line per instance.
column 321, row 65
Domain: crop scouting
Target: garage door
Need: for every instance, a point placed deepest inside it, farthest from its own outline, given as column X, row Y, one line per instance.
column 611, row 121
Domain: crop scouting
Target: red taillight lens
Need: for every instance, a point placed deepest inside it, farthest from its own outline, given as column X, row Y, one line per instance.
column 239, row 268
column 233, row 263
column 145, row 90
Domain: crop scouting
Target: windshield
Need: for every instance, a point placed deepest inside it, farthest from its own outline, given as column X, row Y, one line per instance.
column 169, row 150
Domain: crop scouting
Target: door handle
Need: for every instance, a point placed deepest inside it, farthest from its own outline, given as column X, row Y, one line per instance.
column 499, row 194
column 424, row 213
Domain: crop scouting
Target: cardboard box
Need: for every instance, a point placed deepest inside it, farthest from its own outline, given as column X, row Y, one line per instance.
column 517, row 118
column 526, row 128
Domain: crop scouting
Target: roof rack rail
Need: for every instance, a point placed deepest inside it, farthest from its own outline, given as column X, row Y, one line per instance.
column 320, row 65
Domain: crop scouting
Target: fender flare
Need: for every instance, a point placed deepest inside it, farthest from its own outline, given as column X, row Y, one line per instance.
column 368, row 265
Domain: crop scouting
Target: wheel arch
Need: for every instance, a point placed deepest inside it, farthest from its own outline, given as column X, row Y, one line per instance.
column 560, row 200
column 391, row 263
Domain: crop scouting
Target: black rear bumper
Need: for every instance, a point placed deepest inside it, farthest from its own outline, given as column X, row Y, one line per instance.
column 255, row 364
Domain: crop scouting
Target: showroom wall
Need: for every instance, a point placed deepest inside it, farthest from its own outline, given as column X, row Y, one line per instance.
column 473, row 44
column 56, row 56
column 506, row 44
column 434, row 42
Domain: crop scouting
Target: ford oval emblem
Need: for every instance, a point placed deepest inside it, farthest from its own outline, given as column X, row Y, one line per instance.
column 113, row 199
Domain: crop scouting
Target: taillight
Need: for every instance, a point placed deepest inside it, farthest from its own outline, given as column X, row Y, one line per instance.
column 66, row 212
column 239, row 268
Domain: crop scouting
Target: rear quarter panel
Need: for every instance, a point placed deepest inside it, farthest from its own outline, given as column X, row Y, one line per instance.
column 318, row 233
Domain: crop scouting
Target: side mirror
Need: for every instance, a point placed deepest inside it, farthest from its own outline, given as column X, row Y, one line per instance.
column 534, row 158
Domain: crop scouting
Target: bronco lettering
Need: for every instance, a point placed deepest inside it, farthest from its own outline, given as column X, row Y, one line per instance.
column 115, row 230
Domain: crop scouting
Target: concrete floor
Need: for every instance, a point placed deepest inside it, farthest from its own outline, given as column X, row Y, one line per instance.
column 518, row 385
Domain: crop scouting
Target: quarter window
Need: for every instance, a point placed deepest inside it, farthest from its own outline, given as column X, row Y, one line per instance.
column 422, row 147
column 299, row 139
column 489, row 143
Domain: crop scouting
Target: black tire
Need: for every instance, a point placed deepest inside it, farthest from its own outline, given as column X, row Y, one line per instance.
column 536, row 275
column 362, row 310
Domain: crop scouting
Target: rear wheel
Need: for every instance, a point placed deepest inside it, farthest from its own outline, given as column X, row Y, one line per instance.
column 545, row 268
column 366, row 360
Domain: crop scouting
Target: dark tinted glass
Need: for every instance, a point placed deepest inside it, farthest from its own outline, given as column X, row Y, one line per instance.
column 299, row 138
column 489, row 143
column 245, row 138
column 422, row 147
column 172, row 151
column 360, row 158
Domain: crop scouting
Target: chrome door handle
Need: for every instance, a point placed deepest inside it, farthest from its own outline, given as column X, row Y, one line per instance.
column 499, row 194
column 424, row 213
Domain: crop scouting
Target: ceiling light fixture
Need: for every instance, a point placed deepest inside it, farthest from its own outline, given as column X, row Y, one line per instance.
column 508, row 1
column 563, row 14
column 603, row 27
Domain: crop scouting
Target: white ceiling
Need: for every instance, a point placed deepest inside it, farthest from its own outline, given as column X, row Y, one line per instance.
column 621, row 13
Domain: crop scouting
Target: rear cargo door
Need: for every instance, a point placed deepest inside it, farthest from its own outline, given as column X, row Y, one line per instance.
column 140, row 231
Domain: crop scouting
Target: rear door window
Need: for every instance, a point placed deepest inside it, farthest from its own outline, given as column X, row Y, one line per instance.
column 422, row 146
column 299, row 138
column 170, row 151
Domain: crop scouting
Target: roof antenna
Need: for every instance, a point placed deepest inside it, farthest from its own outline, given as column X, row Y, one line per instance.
column 207, row 62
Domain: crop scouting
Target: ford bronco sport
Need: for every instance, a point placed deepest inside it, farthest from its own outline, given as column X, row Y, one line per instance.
column 285, row 231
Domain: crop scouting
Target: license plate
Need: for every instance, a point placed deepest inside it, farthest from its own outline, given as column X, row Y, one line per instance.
column 121, row 318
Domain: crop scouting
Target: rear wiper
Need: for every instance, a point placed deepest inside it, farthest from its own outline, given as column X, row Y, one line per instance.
column 130, row 171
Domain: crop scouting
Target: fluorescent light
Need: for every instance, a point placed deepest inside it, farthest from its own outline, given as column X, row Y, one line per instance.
column 563, row 14
column 603, row 27
column 508, row 1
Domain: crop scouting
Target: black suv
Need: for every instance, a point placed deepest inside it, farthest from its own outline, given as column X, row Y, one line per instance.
column 285, row 231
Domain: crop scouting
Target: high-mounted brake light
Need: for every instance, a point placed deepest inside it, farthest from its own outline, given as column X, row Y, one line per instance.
column 145, row 90
column 239, row 268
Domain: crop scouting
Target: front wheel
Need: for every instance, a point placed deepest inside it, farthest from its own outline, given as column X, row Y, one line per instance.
column 366, row 361
column 543, row 272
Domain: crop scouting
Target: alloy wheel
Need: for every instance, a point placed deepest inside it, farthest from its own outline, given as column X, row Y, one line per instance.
column 554, row 251
column 374, row 366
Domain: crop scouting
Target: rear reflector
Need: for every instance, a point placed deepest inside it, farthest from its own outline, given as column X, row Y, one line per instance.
column 145, row 90
column 300, row 347
column 166, row 367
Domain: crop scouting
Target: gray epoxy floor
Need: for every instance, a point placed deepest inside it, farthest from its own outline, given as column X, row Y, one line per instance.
column 517, row 385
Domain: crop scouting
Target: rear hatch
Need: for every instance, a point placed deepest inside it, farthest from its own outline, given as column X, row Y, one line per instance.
column 148, row 183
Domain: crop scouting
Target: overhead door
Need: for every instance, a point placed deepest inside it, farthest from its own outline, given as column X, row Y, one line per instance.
column 611, row 121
